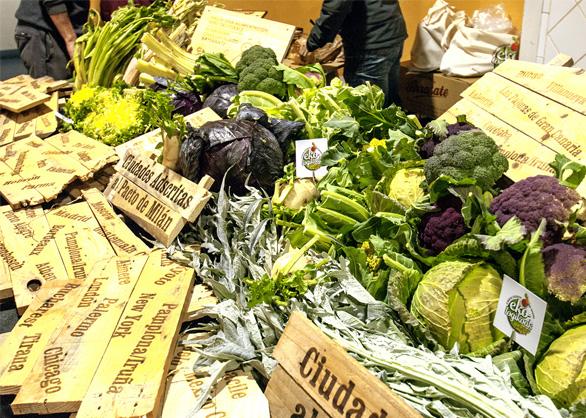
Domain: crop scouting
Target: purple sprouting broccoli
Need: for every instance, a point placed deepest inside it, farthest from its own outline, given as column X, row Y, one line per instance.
column 439, row 229
column 565, row 271
column 536, row 198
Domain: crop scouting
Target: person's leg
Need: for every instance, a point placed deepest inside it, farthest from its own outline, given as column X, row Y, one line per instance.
column 31, row 45
column 394, row 75
column 57, row 59
column 372, row 66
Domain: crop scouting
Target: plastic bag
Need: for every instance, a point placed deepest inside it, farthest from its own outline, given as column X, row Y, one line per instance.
column 433, row 36
column 492, row 19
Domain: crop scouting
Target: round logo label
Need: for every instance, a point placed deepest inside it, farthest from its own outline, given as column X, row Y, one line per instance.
column 520, row 314
column 311, row 158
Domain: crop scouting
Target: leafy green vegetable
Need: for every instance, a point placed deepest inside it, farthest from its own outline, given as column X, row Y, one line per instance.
column 563, row 164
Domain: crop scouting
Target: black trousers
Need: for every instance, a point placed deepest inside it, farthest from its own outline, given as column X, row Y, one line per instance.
column 41, row 53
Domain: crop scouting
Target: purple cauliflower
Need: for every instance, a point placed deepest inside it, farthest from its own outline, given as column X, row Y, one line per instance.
column 536, row 198
column 439, row 229
column 565, row 270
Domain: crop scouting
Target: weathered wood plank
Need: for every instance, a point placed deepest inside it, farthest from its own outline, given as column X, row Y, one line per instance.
column 333, row 379
column 542, row 119
column 147, row 211
column 231, row 33
column 564, row 85
column 29, row 252
column 120, row 236
column 286, row 398
column 23, row 99
column 80, row 245
column 7, row 127
column 75, row 349
column 28, row 338
column 131, row 377
column 202, row 297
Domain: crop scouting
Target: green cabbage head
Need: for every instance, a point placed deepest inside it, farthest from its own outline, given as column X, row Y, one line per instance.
column 404, row 187
column 457, row 301
column 561, row 374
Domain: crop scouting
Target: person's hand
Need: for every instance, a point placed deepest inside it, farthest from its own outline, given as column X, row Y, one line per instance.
column 70, row 45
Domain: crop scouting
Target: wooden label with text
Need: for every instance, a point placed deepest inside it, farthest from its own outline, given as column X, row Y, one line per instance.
column 232, row 33
column 23, row 99
column 564, row 85
column 175, row 191
column 236, row 395
column 202, row 297
column 32, row 331
column 331, row 377
column 7, row 127
column 147, row 211
column 130, row 379
column 29, row 252
column 123, row 241
column 62, row 374
column 146, row 144
column 544, row 120
column 287, row 399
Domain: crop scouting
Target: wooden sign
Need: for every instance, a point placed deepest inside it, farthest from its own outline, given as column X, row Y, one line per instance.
column 7, row 127
column 330, row 377
column 23, row 99
column 130, row 379
column 33, row 171
column 202, row 297
column 288, row 399
column 232, row 33
column 65, row 242
column 236, row 395
column 156, row 198
column 62, row 375
column 29, row 252
column 26, row 341
column 544, row 120
column 564, row 85
column 146, row 144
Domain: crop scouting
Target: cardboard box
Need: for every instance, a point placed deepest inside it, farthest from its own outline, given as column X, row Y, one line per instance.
column 430, row 94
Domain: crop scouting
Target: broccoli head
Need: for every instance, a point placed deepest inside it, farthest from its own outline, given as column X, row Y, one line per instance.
column 536, row 198
column 440, row 130
column 256, row 71
column 439, row 229
column 468, row 155
column 565, row 270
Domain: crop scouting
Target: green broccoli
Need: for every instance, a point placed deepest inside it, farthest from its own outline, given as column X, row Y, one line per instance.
column 468, row 155
column 256, row 71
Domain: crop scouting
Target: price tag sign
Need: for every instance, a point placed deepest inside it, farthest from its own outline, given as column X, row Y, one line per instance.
column 520, row 314
column 308, row 154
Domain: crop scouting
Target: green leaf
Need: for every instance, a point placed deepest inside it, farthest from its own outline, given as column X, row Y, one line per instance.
column 562, row 165
column 531, row 268
column 344, row 205
column 443, row 183
column 512, row 232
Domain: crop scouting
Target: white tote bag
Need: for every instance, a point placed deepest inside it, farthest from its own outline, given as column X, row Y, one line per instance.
column 471, row 51
column 430, row 38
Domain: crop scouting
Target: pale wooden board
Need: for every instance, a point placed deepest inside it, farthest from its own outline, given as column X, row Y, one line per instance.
column 202, row 297
column 232, row 33
column 236, row 395
column 3, row 337
column 46, row 123
column 76, row 347
column 147, row 211
column 80, row 245
column 130, row 380
column 544, row 120
column 16, row 189
column 123, row 241
column 22, row 80
column 92, row 154
column 9, row 89
column 147, row 143
column 303, row 345
column 286, row 398
column 7, row 127
column 23, row 99
column 32, row 332
column 29, row 252
column 25, row 124
column 564, row 85
column 5, row 280
column 175, row 191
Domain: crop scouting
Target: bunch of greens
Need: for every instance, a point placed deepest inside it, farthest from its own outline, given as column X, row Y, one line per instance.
column 103, row 52
column 115, row 115
column 241, row 247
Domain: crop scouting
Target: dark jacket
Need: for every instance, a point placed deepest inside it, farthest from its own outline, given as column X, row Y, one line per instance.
column 36, row 14
column 363, row 25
